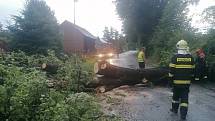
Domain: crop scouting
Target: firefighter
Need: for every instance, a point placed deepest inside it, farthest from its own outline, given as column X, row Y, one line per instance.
column 200, row 71
column 181, row 72
column 141, row 58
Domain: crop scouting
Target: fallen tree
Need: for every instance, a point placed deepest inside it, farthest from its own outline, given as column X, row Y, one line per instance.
column 115, row 76
column 109, row 70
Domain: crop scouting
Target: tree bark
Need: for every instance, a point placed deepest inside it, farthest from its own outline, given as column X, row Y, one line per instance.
column 114, row 76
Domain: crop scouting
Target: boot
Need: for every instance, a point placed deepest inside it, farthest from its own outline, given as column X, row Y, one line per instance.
column 174, row 111
column 183, row 117
column 183, row 112
column 174, row 108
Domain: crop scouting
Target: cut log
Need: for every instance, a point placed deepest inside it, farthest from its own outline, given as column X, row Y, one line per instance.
column 123, row 71
column 135, row 75
column 50, row 68
column 114, row 76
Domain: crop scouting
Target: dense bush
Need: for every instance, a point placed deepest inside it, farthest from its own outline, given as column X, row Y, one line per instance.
column 76, row 73
column 165, row 58
column 20, row 92
column 25, row 94
column 210, row 56
column 74, row 107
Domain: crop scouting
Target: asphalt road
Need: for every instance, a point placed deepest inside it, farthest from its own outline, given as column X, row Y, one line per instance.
column 127, row 60
column 153, row 104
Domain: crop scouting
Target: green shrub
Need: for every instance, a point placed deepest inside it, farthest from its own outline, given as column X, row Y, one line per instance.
column 21, row 92
column 165, row 58
column 75, row 73
column 75, row 107
column 15, row 58
column 26, row 96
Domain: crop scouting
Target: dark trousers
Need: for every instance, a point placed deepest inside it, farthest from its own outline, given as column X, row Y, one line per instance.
column 141, row 65
column 180, row 99
column 212, row 73
column 200, row 72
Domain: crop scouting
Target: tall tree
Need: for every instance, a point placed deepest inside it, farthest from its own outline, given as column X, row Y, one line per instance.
column 4, row 34
column 173, row 26
column 209, row 17
column 1, row 27
column 140, row 17
column 36, row 29
column 115, row 38
column 106, row 34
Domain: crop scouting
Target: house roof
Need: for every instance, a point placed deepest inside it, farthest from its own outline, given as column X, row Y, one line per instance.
column 80, row 29
column 103, row 41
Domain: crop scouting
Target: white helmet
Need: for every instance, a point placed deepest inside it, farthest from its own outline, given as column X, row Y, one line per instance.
column 182, row 45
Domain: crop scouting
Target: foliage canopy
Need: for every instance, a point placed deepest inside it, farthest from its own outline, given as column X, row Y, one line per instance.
column 36, row 30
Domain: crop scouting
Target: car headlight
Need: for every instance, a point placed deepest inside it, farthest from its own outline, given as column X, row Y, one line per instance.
column 110, row 54
column 100, row 55
column 110, row 61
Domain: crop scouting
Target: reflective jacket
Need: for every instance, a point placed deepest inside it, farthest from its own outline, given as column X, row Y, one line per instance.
column 141, row 56
column 182, row 69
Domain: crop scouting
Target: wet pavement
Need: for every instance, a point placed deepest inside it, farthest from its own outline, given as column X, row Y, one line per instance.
column 126, row 60
column 153, row 104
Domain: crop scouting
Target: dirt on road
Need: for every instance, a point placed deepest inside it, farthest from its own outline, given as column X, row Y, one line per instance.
column 153, row 104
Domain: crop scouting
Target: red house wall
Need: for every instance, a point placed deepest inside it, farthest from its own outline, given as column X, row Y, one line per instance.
column 73, row 40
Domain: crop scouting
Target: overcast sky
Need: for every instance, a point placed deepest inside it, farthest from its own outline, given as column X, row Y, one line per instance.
column 92, row 15
column 196, row 12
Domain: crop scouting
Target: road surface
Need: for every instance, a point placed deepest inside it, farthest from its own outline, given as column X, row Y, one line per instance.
column 153, row 104
column 128, row 59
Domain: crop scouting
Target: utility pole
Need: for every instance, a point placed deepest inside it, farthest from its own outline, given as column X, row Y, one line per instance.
column 74, row 9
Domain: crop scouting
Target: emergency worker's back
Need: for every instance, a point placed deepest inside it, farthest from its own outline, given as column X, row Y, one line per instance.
column 182, row 69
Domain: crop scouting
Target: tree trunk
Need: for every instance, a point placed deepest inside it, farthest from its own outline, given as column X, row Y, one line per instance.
column 114, row 76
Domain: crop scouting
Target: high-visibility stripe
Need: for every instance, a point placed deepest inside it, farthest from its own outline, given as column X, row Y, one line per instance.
column 171, row 75
column 173, row 101
column 196, row 79
column 182, row 81
column 181, row 66
column 184, row 59
column 172, row 65
column 194, row 66
column 205, row 77
column 140, row 60
column 184, row 66
column 183, row 105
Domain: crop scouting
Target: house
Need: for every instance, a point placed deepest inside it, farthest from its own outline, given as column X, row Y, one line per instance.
column 77, row 39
